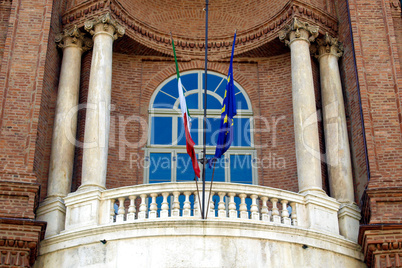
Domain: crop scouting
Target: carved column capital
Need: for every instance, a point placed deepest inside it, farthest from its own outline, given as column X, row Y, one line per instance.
column 327, row 45
column 105, row 24
column 73, row 37
column 298, row 30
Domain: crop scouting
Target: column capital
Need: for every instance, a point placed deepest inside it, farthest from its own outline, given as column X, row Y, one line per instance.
column 73, row 37
column 298, row 30
column 327, row 45
column 105, row 24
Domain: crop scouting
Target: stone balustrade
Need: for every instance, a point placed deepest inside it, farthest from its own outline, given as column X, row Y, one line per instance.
column 180, row 200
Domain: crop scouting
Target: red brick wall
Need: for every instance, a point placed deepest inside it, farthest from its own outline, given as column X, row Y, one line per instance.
column 48, row 100
column 380, row 83
column 5, row 8
column 84, row 83
column 352, row 106
column 275, row 103
column 21, row 84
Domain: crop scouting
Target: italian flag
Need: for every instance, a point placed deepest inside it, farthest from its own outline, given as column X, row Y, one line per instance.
column 186, row 119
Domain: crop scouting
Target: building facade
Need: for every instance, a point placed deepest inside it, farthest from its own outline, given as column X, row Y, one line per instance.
column 94, row 169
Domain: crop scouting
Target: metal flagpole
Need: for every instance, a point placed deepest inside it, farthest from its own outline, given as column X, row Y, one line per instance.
column 204, row 156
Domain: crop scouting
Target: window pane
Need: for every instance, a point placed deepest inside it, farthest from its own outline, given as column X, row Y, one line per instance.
column 241, row 132
column 212, row 130
column 216, row 84
column 161, row 130
column 212, row 102
column 181, row 135
column 184, row 170
column 240, row 169
column 189, row 81
column 192, row 101
column 163, row 101
column 160, row 167
column 219, row 174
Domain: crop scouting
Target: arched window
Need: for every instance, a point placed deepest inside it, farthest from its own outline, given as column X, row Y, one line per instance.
column 166, row 156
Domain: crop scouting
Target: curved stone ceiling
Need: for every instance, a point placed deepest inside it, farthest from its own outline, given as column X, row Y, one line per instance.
column 258, row 22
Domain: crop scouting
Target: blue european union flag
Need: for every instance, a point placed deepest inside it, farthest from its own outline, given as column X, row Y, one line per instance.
column 225, row 136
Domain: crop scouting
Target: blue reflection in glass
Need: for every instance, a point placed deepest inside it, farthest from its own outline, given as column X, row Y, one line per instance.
column 184, row 169
column 212, row 130
column 219, row 174
column 160, row 167
column 241, row 132
column 161, row 125
column 240, row 169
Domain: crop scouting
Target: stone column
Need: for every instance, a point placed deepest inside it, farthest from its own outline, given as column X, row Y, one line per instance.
column 298, row 35
column 104, row 30
column 52, row 210
column 338, row 159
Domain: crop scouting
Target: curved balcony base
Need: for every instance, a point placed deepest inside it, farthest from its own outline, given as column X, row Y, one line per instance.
column 197, row 243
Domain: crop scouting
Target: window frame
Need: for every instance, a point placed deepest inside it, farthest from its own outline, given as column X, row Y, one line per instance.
column 175, row 112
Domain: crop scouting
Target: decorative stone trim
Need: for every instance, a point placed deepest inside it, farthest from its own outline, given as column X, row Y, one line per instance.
column 295, row 26
column 327, row 45
column 17, row 251
column 247, row 40
column 73, row 37
column 107, row 21
column 379, row 246
column 395, row 4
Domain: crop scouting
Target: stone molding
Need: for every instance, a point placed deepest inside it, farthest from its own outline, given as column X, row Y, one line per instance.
column 107, row 21
column 73, row 37
column 292, row 32
column 327, row 45
column 246, row 40
column 17, row 251
column 381, row 241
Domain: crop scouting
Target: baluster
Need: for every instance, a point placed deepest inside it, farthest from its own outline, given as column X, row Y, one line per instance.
column 294, row 214
column 143, row 208
column 243, row 207
column 275, row 211
column 165, row 206
column 131, row 208
column 187, row 205
column 153, row 208
column 285, row 213
column 211, row 212
column 254, row 208
column 176, row 205
column 221, row 206
column 121, row 211
column 232, row 206
column 264, row 209
column 197, row 211
column 112, row 212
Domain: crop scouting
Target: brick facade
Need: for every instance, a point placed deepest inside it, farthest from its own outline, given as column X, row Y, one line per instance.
column 371, row 32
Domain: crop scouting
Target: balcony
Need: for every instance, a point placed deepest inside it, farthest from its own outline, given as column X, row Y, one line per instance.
column 160, row 224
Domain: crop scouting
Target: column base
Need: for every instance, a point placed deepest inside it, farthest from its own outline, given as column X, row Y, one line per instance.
column 349, row 217
column 90, row 187
column 53, row 211
column 321, row 212
column 82, row 209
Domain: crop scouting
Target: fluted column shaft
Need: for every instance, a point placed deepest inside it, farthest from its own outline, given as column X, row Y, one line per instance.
column 335, row 128
column 298, row 36
column 97, row 124
column 64, row 131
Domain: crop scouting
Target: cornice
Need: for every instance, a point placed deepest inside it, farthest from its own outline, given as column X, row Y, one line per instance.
column 380, row 239
column 219, row 47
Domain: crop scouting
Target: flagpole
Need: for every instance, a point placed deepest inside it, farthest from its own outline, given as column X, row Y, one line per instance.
column 204, row 157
